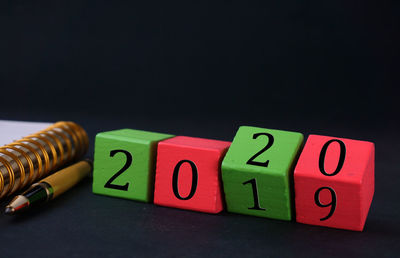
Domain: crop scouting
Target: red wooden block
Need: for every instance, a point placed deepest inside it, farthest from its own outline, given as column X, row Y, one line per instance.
column 188, row 173
column 334, row 182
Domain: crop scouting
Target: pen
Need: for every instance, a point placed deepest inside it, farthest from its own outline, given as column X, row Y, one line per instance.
column 50, row 187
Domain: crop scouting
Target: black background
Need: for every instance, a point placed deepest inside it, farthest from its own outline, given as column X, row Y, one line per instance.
column 202, row 69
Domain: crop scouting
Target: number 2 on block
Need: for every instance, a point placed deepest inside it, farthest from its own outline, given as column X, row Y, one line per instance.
column 128, row 163
column 252, row 161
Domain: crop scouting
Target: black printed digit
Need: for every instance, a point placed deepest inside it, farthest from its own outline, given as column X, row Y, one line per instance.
column 341, row 157
column 332, row 204
column 252, row 161
column 339, row 167
column 175, row 180
column 128, row 163
column 253, row 183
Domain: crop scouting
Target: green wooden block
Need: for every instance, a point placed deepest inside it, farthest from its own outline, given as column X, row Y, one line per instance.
column 124, row 163
column 257, row 172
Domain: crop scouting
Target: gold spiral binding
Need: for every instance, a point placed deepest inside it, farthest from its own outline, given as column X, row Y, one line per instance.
column 1, row 183
column 74, row 138
column 66, row 140
column 21, row 174
column 79, row 135
column 59, row 150
column 38, row 159
column 28, row 159
column 45, row 155
column 10, row 174
column 53, row 157
column 25, row 161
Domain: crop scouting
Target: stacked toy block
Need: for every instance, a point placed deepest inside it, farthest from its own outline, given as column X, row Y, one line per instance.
column 256, row 172
column 124, row 163
column 268, row 173
column 188, row 174
column 334, row 182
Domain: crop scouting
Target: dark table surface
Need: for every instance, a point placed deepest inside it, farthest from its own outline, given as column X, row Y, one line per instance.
column 80, row 223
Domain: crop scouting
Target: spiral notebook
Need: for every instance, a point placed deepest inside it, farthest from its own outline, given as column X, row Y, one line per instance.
column 31, row 150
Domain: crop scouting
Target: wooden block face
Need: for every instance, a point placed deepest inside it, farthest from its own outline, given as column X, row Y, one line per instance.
column 257, row 171
column 188, row 174
column 124, row 163
column 334, row 182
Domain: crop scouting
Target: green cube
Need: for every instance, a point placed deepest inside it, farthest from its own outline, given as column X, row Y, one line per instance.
column 257, row 172
column 124, row 163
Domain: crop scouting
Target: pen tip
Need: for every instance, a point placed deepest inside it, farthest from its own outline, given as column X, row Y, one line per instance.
column 9, row 210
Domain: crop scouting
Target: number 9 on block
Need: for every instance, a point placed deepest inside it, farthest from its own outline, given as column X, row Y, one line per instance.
column 124, row 163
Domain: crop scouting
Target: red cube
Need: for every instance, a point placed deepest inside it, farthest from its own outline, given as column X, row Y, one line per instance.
column 188, row 174
column 334, row 182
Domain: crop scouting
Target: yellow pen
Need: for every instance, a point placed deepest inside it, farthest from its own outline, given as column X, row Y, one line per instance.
column 50, row 187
